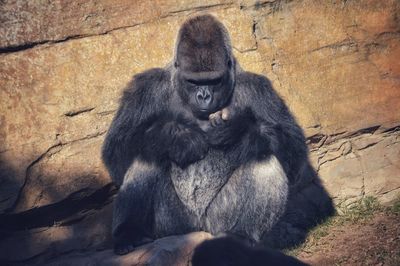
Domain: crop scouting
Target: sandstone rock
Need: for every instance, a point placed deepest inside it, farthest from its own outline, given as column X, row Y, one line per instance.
column 78, row 223
column 26, row 23
column 172, row 250
column 326, row 55
column 370, row 168
column 63, row 67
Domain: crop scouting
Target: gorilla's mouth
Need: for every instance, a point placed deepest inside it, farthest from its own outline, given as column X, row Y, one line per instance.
column 202, row 114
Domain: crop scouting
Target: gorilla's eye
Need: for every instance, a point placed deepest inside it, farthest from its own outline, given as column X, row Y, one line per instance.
column 192, row 82
column 229, row 63
column 205, row 82
column 216, row 81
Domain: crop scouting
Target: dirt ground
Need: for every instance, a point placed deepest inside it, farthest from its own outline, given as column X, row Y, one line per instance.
column 369, row 238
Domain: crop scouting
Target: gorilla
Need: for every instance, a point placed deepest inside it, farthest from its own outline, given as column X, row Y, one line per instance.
column 200, row 145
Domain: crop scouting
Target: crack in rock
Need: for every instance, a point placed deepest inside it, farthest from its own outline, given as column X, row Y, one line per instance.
column 78, row 112
column 65, row 212
column 49, row 152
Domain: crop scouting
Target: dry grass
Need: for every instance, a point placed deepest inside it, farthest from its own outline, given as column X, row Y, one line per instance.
column 358, row 213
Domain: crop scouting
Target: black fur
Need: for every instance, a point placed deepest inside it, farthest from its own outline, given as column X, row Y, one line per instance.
column 174, row 139
column 228, row 251
column 177, row 170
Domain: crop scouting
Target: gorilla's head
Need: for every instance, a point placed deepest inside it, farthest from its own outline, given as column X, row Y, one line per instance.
column 204, row 65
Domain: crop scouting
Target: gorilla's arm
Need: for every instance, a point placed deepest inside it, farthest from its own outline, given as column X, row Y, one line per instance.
column 143, row 100
column 175, row 137
column 273, row 129
column 227, row 127
column 146, row 126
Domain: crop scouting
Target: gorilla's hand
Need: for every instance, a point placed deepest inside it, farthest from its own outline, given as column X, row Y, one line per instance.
column 187, row 146
column 219, row 117
column 225, row 128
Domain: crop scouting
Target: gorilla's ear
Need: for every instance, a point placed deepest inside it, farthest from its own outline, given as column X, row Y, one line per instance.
column 176, row 64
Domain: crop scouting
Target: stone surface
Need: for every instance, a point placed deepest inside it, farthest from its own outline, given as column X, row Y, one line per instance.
column 172, row 250
column 361, row 165
column 81, row 222
column 25, row 23
column 335, row 61
column 63, row 67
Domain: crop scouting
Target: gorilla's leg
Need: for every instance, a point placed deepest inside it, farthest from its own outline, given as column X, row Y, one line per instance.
column 147, row 207
column 133, row 207
column 251, row 201
column 171, row 216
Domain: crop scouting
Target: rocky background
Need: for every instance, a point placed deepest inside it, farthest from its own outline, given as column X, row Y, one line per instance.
column 63, row 65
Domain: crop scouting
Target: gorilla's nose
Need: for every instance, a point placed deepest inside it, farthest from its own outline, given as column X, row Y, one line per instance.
column 203, row 97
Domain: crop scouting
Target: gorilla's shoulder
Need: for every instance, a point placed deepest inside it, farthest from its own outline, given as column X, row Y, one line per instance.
column 152, row 76
column 253, row 83
column 153, row 83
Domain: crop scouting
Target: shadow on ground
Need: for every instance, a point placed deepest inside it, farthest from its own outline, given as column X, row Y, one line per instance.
column 81, row 221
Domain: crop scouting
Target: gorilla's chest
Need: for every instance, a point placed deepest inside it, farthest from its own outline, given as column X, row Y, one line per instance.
column 198, row 184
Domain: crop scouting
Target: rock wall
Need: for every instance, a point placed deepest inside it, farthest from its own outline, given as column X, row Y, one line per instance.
column 64, row 64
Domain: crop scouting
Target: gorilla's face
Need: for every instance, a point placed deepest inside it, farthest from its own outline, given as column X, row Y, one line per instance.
column 204, row 66
column 205, row 92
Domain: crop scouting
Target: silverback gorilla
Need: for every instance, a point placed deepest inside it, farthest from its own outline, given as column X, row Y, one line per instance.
column 200, row 145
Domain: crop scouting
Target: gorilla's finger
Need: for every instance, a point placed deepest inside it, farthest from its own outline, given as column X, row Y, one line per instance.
column 218, row 120
column 215, row 118
column 225, row 114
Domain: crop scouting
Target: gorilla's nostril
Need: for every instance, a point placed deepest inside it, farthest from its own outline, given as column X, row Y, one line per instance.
column 203, row 96
column 199, row 96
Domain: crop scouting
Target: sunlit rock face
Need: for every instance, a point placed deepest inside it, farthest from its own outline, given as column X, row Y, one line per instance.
column 64, row 65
